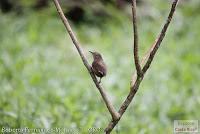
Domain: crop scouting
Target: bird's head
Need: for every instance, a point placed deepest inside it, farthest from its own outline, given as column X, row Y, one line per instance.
column 96, row 55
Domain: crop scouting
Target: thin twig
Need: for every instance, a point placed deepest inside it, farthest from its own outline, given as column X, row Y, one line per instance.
column 136, row 83
column 114, row 114
column 135, row 50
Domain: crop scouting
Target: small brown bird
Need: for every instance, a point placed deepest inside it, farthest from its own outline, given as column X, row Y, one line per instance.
column 98, row 65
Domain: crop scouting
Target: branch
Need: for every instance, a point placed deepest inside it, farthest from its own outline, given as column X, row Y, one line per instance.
column 137, row 79
column 160, row 37
column 109, row 105
column 135, row 50
column 124, row 106
column 144, row 60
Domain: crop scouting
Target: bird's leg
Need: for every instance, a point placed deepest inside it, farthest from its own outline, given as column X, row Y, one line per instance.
column 100, row 80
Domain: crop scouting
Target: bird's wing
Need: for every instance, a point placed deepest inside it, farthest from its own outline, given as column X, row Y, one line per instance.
column 103, row 68
column 99, row 69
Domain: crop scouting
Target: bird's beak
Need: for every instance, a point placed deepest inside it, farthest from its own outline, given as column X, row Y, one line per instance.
column 91, row 52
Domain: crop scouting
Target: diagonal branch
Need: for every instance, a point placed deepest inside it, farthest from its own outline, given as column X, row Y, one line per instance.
column 109, row 105
column 160, row 37
column 135, row 50
column 124, row 106
column 136, row 80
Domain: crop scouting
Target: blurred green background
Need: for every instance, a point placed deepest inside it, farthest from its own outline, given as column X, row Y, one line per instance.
column 44, row 84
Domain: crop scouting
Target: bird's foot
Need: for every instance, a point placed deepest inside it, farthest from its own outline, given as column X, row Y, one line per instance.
column 99, row 81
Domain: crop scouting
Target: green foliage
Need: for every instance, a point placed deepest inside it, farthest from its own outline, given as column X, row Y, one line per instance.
column 44, row 84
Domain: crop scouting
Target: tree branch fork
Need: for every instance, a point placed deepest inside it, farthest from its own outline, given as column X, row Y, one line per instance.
column 141, row 67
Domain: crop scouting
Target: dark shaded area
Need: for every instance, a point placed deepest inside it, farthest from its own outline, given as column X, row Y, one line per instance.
column 76, row 14
column 77, row 11
column 6, row 6
column 122, row 3
column 41, row 4
column 107, row 1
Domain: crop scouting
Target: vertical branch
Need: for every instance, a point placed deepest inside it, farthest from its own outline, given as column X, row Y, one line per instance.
column 109, row 105
column 135, row 47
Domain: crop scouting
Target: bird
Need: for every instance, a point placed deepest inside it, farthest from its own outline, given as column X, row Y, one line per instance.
column 98, row 66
